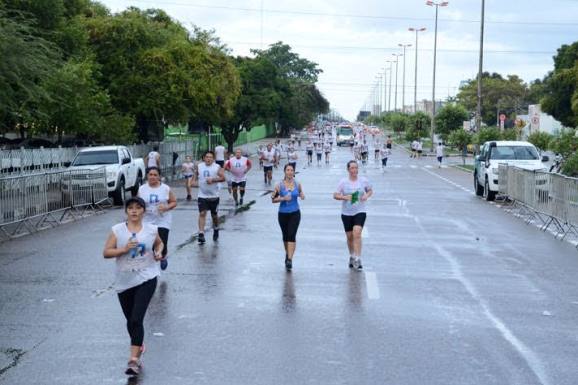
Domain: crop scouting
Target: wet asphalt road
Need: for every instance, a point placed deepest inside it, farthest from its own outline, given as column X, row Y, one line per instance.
column 454, row 291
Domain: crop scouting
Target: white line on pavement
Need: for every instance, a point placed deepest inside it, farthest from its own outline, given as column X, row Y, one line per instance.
column 449, row 181
column 372, row 286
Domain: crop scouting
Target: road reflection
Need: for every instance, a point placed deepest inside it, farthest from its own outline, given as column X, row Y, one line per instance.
column 356, row 290
column 289, row 300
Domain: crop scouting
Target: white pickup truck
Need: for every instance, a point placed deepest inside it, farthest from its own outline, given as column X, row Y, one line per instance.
column 123, row 171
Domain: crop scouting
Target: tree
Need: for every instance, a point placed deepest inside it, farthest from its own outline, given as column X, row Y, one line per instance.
column 26, row 59
column 289, row 64
column 397, row 121
column 487, row 134
column 460, row 139
column 561, row 87
column 259, row 100
column 565, row 144
column 419, row 123
column 499, row 94
column 450, row 118
column 540, row 139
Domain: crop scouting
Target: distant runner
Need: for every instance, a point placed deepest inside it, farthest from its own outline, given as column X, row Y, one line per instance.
column 207, row 177
column 269, row 159
column 238, row 166
column 187, row 171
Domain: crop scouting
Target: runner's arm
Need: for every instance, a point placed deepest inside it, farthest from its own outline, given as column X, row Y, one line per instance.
column 158, row 247
column 112, row 251
column 301, row 194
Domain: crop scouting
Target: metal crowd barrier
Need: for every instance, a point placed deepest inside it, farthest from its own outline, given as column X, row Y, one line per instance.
column 551, row 199
column 29, row 203
column 31, row 161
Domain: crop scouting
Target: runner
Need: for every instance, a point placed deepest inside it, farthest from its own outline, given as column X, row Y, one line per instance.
column 153, row 158
column 207, row 177
column 419, row 148
column 440, row 153
column 389, row 142
column 137, row 248
column 260, row 151
column 187, row 171
column 327, row 151
column 309, row 149
column 377, row 146
column 269, row 159
column 384, row 153
column 354, row 191
column 364, row 151
column 160, row 200
column 286, row 193
column 220, row 155
column 319, row 152
column 278, row 147
column 238, row 166
column 292, row 158
column 413, row 149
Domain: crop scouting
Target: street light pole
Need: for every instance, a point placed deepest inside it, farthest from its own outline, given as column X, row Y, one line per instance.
column 416, row 30
column 404, row 46
column 389, row 93
column 479, row 106
column 433, row 121
column 397, row 55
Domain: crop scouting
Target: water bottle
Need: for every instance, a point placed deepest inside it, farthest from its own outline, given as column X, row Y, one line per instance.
column 133, row 251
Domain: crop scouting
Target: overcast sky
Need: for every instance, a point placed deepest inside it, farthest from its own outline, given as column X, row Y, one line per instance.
column 352, row 40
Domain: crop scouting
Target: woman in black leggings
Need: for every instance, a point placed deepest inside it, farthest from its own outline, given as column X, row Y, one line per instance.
column 286, row 193
column 137, row 248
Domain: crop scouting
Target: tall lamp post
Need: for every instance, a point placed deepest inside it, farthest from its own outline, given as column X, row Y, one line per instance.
column 479, row 106
column 384, row 98
column 396, row 55
column 433, row 121
column 416, row 30
column 390, row 69
column 403, row 46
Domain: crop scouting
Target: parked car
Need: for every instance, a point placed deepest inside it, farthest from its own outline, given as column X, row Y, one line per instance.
column 123, row 172
column 513, row 153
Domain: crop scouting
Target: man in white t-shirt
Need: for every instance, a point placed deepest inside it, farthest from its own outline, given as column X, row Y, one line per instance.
column 153, row 158
column 220, row 155
column 440, row 153
column 207, row 176
column 413, row 149
column 269, row 159
column 238, row 166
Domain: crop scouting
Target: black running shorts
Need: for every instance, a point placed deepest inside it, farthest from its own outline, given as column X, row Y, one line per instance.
column 208, row 204
column 352, row 220
column 239, row 184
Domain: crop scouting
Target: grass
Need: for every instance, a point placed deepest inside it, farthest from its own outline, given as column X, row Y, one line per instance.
column 467, row 167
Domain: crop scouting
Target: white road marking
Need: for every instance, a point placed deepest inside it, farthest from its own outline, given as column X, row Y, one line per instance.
column 533, row 361
column 449, row 181
column 372, row 286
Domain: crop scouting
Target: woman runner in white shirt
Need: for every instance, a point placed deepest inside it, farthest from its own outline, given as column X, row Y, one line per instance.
column 137, row 248
column 160, row 200
column 353, row 191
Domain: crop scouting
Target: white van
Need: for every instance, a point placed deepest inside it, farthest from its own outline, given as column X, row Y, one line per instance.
column 513, row 153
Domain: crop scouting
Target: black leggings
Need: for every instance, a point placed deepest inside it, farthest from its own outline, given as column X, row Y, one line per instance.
column 289, row 223
column 134, row 303
column 164, row 235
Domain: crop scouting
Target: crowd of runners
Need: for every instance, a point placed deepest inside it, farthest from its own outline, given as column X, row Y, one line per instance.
column 139, row 245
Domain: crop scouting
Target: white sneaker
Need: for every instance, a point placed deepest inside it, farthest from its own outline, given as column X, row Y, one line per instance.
column 357, row 263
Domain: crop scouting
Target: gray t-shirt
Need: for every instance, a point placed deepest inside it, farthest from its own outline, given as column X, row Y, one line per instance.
column 207, row 190
column 348, row 187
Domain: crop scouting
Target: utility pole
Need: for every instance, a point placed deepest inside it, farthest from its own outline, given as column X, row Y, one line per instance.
column 480, row 71
column 417, row 30
column 433, row 122
column 389, row 93
column 397, row 55
column 404, row 46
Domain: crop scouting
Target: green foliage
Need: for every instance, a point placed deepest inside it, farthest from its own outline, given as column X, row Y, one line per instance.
column 487, row 134
column 565, row 144
column 289, row 64
column 460, row 138
column 419, row 123
column 570, row 167
column 561, row 87
column 540, row 139
column 498, row 93
column 450, row 118
column 397, row 122
column 509, row 134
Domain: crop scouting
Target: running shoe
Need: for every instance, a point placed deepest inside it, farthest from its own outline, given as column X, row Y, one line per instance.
column 288, row 264
column 357, row 263
column 164, row 264
column 201, row 238
column 189, row 197
column 351, row 262
column 215, row 234
column 241, row 202
column 133, row 367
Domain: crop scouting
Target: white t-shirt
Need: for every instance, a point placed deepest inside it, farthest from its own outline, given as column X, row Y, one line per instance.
column 419, row 146
column 153, row 197
column 414, row 145
column 238, row 168
column 292, row 156
column 327, row 147
column 152, row 159
column 208, row 190
column 132, row 270
column 269, row 157
column 348, row 187
column 384, row 152
column 440, row 151
column 220, row 153
column 188, row 168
